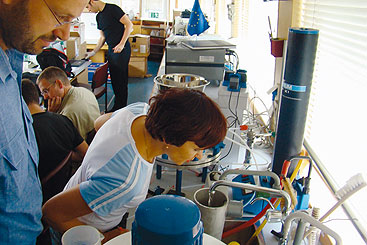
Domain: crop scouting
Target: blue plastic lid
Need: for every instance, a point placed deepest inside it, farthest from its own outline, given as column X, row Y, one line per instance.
column 302, row 30
column 169, row 215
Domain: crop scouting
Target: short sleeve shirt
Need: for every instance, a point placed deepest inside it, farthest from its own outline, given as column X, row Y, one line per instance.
column 113, row 176
column 81, row 107
column 108, row 21
column 56, row 137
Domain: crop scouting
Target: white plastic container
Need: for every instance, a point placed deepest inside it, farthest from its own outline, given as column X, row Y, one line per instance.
column 82, row 234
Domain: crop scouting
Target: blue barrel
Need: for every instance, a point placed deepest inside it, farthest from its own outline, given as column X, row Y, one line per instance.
column 167, row 219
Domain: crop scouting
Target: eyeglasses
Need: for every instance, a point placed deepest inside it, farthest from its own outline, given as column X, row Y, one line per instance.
column 59, row 23
column 46, row 90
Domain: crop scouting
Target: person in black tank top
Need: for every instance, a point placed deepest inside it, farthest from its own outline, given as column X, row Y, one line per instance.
column 115, row 28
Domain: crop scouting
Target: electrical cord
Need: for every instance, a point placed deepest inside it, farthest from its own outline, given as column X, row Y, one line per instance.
column 229, row 106
column 230, row 53
column 235, row 116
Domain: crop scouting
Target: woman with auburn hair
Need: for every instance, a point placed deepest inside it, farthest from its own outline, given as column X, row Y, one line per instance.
column 117, row 168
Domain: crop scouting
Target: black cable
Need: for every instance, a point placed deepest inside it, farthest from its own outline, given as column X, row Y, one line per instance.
column 235, row 120
column 229, row 106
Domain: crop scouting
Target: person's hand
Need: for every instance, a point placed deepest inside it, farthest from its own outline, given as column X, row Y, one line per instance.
column 118, row 48
column 113, row 233
column 89, row 54
column 54, row 104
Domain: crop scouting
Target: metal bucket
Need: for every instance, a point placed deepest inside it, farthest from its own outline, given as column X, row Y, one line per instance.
column 214, row 216
column 181, row 80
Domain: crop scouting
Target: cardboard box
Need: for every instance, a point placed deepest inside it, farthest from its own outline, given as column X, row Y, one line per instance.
column 78, row 30
column 140, row 45
column 82, row 51
column 138, row 66
column 72, row 47
column 83, row 77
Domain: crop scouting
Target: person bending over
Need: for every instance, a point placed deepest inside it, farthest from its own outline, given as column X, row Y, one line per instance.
column 117, row 168
column 77, row 103
column 115, row 28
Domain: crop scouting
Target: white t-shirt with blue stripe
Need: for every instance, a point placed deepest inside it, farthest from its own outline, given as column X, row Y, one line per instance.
column 113, row 176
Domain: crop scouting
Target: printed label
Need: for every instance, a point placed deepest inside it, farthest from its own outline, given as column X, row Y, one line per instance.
column 206, row 59
column 294, row 88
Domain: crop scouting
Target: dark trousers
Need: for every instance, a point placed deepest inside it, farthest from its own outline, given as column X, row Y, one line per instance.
column 118, row 64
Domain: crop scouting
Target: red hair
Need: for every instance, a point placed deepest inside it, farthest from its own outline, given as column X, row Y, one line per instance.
column 177, row 115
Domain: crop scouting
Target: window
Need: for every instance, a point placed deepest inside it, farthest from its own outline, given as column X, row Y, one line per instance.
column 154, row 10
column 185, row 4
column 250, row 32
column 336, row 119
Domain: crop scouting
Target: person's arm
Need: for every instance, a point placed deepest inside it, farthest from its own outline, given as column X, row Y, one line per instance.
column 99, row 45
column 79, row 152
column 101, row 120
column 128, row 29
column 61, row 211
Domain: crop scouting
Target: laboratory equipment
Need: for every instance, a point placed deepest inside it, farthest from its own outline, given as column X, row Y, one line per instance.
column 210, row 157
column 213, row 214
column 181, row 80
column 208, row 63
column 296, row 88
column 167, row 219
column 306, row 218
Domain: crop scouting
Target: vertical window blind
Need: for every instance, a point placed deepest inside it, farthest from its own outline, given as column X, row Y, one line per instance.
column 337, row 112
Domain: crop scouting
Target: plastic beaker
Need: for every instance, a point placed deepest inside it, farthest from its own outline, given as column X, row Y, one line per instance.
column 82, row 235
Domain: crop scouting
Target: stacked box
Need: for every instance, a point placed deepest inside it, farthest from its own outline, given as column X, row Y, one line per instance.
column 140, row 45
column 138, row 66
column 78, row 30
column 72, row 47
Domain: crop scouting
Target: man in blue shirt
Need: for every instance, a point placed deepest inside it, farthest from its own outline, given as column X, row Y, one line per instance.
column 25, row 27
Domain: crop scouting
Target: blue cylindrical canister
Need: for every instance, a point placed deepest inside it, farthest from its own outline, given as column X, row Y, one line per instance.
column 167, row 219
column 296, row 88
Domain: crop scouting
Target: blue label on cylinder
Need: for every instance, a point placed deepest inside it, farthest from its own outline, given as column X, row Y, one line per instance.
column 294, row 88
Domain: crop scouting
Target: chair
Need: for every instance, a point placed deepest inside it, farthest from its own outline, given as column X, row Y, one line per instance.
column 75, row 83
column 99, row 79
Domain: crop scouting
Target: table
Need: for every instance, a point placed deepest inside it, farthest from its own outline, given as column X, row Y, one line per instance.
column 138, row 65
column 80, row 72
column 99, row 57
column 125, row 239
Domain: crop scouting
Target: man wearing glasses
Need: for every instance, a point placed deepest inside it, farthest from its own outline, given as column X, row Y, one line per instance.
column 25, row 27
column 76, row 103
